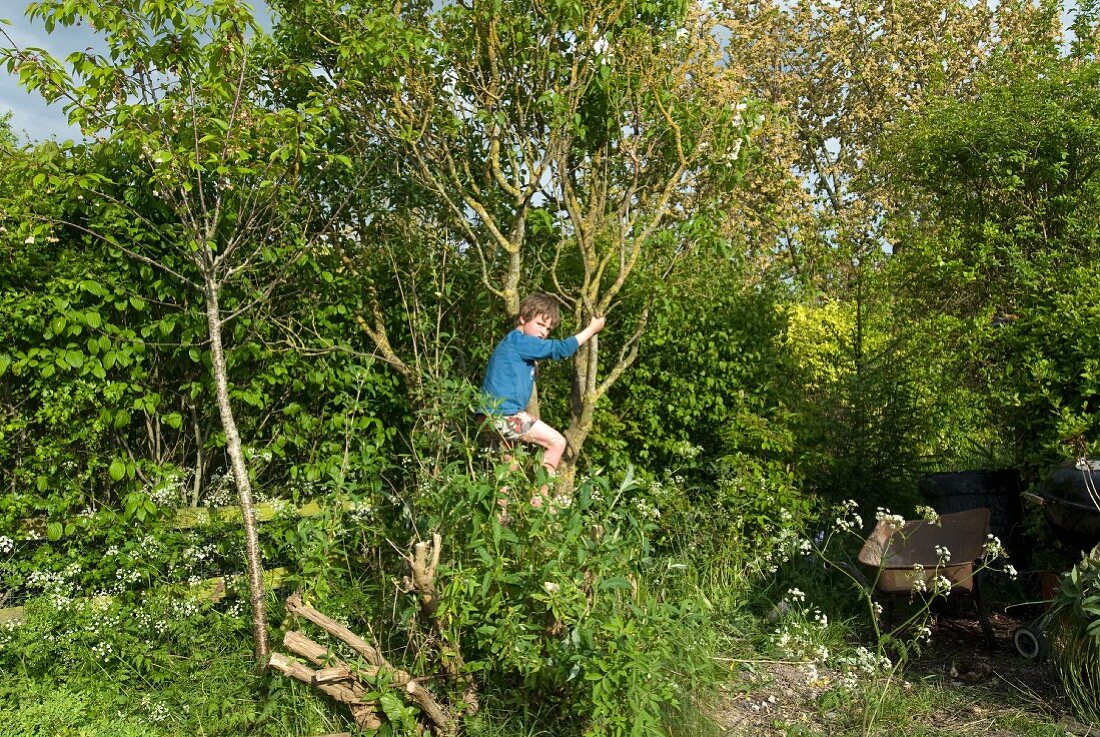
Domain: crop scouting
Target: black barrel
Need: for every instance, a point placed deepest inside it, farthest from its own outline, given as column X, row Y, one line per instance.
column 1070, row 502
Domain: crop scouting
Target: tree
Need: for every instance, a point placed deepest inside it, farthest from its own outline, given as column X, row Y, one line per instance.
column 840, row 76
column 586, row 149
column 1004, row 195
column 207, row 182
column 838, row 79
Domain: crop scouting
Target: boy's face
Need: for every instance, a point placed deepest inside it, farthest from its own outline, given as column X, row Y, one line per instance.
column 538, row 326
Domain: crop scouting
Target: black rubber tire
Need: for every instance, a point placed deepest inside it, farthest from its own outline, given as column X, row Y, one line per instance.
column 1030, row 641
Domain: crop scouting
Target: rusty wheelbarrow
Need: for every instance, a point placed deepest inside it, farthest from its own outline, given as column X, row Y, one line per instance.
column 908, row 559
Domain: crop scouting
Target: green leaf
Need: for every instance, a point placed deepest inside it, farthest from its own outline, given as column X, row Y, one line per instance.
column 53, row 531
column 117, row 470
column 614, row 583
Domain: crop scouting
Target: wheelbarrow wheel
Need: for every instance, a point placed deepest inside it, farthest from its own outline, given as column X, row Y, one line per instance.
column 1030, row 641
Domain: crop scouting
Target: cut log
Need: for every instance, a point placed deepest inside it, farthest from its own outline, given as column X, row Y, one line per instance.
column 363, row 712
column 295, row 605
column 320, row 655
column 332, row 675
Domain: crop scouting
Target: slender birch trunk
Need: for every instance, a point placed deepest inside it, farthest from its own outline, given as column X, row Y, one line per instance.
column 256, row 594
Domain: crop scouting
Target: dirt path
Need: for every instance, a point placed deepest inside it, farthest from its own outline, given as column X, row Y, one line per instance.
column 769, row 698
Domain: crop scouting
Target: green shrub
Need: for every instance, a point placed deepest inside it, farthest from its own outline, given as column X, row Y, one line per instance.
column 561, row 608
column 1073, row 626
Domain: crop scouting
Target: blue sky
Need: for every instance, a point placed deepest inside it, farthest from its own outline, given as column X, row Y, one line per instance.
column 32, row 119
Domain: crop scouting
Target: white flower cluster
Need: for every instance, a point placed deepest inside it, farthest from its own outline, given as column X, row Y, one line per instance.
column 196, row 555
column 127, row 576
column 284, row 509
column 920, row 583
column 361, row 512
column 943, row 554
column 6, row 544
column 941, row 586
column 929, row 515
column 103, row 650
column 184, row 609
column 157, row 710
column 168, row 492
column 801, row 634
column 993, row 548
column 894, row 521
column 646, row 510
column 848, row 519
column 220, row 492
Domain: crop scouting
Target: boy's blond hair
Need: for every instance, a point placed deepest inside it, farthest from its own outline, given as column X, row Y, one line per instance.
column 539, row 304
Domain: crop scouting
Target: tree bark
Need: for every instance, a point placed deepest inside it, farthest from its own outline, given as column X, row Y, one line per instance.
column 240, row 474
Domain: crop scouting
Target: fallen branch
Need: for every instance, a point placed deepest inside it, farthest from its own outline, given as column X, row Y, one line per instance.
column 339, row 677
column 362, row 712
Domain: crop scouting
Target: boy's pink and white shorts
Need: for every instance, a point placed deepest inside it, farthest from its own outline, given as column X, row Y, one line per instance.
column 514, row 427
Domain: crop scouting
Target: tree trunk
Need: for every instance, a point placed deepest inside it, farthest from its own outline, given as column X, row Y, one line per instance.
column 582, row 410
column 240, row 475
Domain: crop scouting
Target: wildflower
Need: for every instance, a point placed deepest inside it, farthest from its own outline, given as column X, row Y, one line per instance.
column 847, row 518
column 993, row 548
column 919, row 582
column 796, row 595
column 1010, row 570
column 943, row 554
column 551, row 587
column 929, row 515
column 6, row 544
column 894, row 521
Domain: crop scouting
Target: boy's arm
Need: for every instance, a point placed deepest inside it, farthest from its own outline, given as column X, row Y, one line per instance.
column 538, row 349
column 595, row 326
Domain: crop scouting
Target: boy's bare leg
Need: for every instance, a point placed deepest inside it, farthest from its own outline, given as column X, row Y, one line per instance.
column 553, row 444
column 550, row 440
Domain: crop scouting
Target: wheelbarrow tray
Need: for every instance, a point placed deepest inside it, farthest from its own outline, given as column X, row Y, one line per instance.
column 894, row 554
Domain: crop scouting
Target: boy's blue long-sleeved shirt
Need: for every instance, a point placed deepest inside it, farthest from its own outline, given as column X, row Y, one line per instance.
column 510, row 376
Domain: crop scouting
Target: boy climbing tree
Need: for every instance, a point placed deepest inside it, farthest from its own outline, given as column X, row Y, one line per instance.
column 510, row 375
